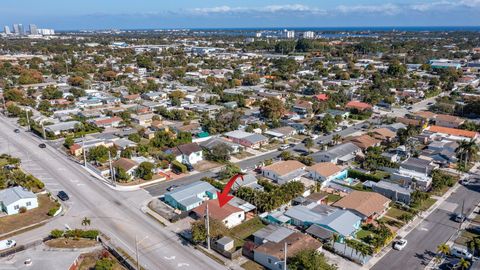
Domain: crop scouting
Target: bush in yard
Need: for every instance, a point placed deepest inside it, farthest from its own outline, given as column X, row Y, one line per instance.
column 179, row 167
column 22, row 210
column 56, row 233
column 104, row 264
column 90, row 234
column 53, row 210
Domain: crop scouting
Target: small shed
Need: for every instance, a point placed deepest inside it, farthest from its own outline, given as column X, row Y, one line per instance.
column 225, row 243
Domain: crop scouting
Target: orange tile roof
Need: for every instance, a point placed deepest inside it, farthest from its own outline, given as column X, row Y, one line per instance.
column 453, row 131
column 358, row 105
column 296, row 242
column 364, row 141
column 284, row 167
column 215, row 211
column 325, row 169
column 366, row 203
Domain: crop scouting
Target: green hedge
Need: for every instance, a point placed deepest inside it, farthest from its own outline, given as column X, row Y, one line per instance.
column 179, row 166
column 363, row 176
column 77, row 233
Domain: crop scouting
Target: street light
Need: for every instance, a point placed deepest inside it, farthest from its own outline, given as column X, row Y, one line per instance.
column 136, row 250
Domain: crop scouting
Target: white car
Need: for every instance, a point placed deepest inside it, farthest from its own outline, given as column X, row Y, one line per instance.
column 400, row 244
column 6, row 244
column 461, row 253
column 284, row 147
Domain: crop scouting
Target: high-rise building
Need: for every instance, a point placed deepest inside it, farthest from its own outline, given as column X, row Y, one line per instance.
column 16, row 29
column 33, row 29
column 6, row 30
column 289, row 34
column 21, row 30
column 309, row 34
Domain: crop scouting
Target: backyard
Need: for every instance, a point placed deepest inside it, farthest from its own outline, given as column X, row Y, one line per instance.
column 244, row 230
column 33, row 216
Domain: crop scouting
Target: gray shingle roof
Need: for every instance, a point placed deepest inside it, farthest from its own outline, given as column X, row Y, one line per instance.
column 11, row 195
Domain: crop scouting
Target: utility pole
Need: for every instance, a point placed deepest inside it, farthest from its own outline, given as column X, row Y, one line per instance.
column 28, row 120
column 136, row 251
column 84, row 152
column 43, row 131
column 112, row 173
column 207, row 226
column 285, row 254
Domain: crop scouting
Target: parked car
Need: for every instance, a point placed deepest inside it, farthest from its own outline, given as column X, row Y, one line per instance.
column 16, row 130
column 283, row 147
column 400, row 244
column 452, row 264
column 459, row 218
column 461, row 253
column 42, row 145
column 62, row 195
column 6, row 244
column 172, row 188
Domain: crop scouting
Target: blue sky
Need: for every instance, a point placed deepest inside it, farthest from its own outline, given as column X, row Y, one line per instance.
column 100, row 14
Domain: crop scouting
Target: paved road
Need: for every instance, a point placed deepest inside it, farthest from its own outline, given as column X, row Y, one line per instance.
column 115, row 213
column 436, row 229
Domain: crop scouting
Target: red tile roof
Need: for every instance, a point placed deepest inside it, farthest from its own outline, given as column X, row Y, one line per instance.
column 358, row 105
column 453, row 131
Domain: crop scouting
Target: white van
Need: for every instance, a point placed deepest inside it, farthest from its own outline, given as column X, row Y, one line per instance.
column 6, row 244
column 461, row 253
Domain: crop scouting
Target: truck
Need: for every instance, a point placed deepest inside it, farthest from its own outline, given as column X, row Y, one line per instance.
column 6, row 244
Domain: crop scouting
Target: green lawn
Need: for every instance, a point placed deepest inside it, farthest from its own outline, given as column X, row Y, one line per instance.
column 465, row 237
column 395, row 212
column 333, row 198
column 251, row 265
column 361, row 234
column 426, row 204
column 392, row 222
column 243, row 231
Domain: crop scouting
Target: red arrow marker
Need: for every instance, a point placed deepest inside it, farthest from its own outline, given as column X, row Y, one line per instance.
column 223, row 197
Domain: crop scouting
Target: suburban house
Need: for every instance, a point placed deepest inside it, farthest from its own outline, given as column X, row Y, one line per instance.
column 14, row 198
column 358, row 105
column 126, row 164
column 418, row 165
column 247, row 139
column 282, row 133
column 383, row 134
column 393, row 191
column 364, row 141
column 368, row 205
column 190, row 196
column 303, row 107
column 228, row 214
column 451, row 133
column 190, row 153
column 144, row 120
column 57, row 129
column 449, row 121
column 339, row 154
column 108, row 122
column 271, row 254
column 343, row 222
column 213, row 142
column 326, row 171
column 284, row 171
column 247, row 180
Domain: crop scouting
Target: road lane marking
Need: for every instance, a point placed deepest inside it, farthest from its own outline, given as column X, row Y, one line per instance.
column 169, row 258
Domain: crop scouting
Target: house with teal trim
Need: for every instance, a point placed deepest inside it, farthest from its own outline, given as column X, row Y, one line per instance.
column 342, row 222
column 190, row 196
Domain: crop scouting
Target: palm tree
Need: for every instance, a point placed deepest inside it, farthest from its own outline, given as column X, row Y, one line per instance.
column 467, row 150
column 336, row 138
column 335, row 238
column 464, row 264
column 86, row 222
column 443, row 249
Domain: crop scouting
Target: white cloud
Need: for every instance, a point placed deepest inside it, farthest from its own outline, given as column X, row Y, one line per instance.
column 388, row 8
column 445, row 4
column 265, row 9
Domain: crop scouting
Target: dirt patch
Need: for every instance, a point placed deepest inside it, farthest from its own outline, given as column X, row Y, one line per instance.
column 33, row 216
column 88, row 260
column 71, row 243
column 206, row 165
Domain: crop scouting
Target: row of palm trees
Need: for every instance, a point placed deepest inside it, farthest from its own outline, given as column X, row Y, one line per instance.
column 443, row 250
column 467, row 151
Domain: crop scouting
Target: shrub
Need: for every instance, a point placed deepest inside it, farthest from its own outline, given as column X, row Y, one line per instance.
column 104, row 264
column 53, row 210
column 90, row 234
column 22, row 210
column 179, row 167
column 56, row 233
column 363, row 176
